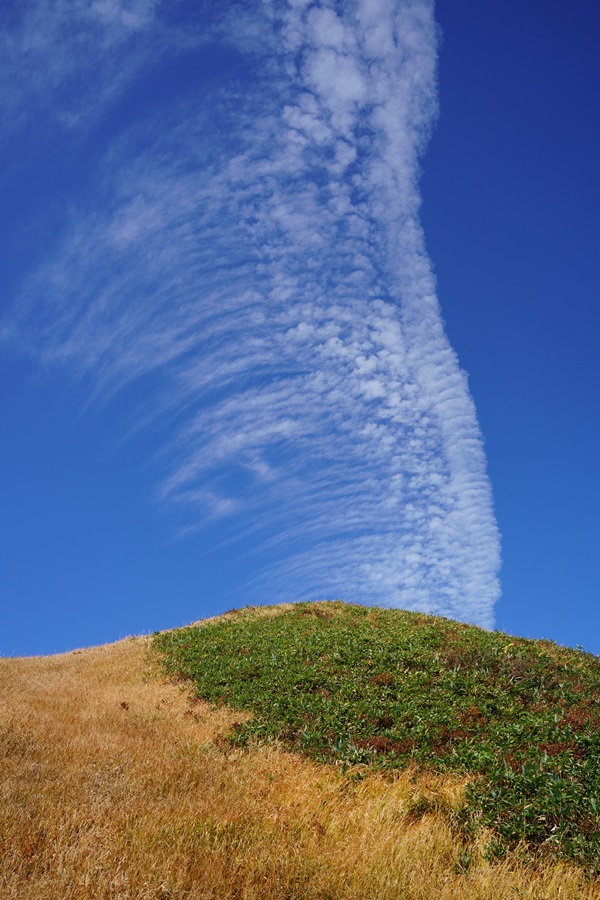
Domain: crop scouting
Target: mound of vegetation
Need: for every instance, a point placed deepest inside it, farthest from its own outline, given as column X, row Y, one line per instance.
column 358, row 685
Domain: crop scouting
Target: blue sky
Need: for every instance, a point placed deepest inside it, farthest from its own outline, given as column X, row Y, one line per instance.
column 298, row 302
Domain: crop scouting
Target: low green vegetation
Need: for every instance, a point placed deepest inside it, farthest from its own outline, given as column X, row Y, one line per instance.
column 352, row 684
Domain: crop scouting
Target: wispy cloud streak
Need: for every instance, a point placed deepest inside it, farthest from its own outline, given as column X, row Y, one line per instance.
column 256, row 248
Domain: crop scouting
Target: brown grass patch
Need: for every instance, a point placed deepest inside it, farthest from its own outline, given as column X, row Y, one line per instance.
column 115, row 784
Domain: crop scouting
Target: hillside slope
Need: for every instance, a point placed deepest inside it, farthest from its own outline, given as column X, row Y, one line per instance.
column 387, row 688
column 117, row 783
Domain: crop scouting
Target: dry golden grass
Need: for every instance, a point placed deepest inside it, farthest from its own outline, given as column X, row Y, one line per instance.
column 116, row 785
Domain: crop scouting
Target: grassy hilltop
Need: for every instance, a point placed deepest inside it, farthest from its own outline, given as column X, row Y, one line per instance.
column 389, row 688
column 306, row 751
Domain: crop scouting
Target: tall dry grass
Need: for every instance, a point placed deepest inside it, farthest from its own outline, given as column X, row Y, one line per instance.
column 115, row 785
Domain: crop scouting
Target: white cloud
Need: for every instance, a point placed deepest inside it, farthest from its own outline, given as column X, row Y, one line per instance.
column 272, row 272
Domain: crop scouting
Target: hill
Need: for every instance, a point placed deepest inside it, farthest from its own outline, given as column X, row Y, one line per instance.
column 311, row 782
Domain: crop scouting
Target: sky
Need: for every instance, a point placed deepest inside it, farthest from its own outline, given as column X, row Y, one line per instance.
column 297, row 303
